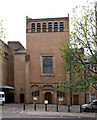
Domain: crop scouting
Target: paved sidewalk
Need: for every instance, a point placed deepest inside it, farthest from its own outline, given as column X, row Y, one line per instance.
column 16, row 110
column 57, row 114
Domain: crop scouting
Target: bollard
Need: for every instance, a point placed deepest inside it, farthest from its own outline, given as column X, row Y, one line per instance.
column 45, row 107
column 80, row 109
column 68, row 108
column 57, row 108
column 24, row 106
column 93, row 110
column 2, row 104
column 35, row 106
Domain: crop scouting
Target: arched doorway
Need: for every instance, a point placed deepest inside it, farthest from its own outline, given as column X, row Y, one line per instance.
column 48, row 96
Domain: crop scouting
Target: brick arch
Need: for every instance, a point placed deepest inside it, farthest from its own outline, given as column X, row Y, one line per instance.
column 47, row 86
column 35, row 86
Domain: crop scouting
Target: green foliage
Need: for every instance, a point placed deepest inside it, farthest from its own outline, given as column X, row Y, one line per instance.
column 2, row 37
column 80, row 53
column 2, row 34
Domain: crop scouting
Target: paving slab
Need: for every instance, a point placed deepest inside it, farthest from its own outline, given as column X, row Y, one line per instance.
column 17, row 110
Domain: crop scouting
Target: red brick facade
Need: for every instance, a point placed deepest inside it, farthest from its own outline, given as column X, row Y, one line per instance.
column 35, row 73
column 40, row 45
column 7, row 68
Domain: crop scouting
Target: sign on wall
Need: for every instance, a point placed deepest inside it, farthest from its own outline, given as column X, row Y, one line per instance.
column 46, row 102
column 61, row 99
column 35, row 98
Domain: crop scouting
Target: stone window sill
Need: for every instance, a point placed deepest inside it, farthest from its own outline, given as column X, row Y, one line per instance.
column 47, row 75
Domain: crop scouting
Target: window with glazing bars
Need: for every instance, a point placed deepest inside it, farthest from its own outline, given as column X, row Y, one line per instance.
column 92, row 97
column 60, row 94
column 36, row 93
column 49, row 27
column 55, row 27
column 61, row 26
column 33, row 27
column 47, row 66
column 38, row 27
column 44, row 27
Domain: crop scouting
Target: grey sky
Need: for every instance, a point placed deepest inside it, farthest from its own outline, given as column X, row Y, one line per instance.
column 14, row 13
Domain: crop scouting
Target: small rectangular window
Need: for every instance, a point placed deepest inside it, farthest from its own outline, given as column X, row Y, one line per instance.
column 32, row 94
column 35, row 94
column 92, row 97
column 61, row 94
column 57, row 93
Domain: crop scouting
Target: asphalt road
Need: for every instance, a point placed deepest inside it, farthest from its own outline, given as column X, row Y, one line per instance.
column 48, row 119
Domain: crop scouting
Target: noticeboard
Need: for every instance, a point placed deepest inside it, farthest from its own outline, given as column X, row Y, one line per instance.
column 61, row 99
column 46, row 102
column 35, row 98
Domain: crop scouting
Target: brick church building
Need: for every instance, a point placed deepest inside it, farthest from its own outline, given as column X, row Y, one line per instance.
column 34, row 73
column 39, row 68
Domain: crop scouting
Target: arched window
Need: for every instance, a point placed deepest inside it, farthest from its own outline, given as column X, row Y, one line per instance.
column 61, row 26
column 47, row 66
column 55, row 27
column 38, row 27
column 33, row 27
column 44, row 27
column 49, row 27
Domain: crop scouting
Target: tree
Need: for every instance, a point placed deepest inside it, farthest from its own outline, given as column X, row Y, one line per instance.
column 79, row 53
column 2, row 37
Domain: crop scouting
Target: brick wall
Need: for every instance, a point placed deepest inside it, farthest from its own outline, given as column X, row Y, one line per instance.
column 45, row 44
column 13, row 45
column 19, row 75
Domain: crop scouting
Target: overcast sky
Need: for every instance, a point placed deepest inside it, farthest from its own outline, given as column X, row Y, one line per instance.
column 14, row 13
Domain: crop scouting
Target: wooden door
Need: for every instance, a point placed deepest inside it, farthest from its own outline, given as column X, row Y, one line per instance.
column 21, row 98
column 48, row 96
column 75, row 99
